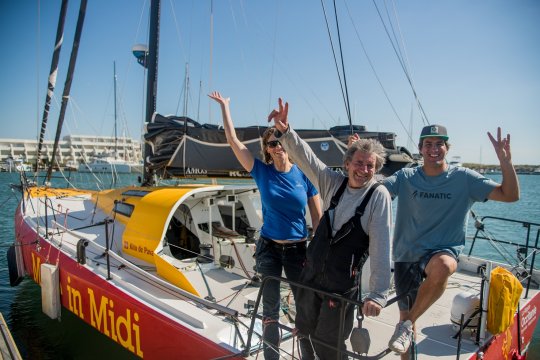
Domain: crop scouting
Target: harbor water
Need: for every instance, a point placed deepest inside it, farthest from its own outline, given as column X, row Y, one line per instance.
column 39, row 337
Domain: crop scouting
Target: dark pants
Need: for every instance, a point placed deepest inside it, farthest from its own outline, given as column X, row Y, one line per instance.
column 408, row 276
column 318, row 317
column 272, row 259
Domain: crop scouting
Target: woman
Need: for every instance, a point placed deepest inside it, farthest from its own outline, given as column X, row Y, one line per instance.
column 285, row 192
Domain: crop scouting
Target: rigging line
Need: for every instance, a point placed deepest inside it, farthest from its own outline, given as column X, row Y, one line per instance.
column 284, row 71
column 406, row 62
column 38, row 76
column 409, row 135
column 66, row 179
column 406, row 72
column 347, row 102
column 420, row 107
column 334, row 54
column 400, row 49
column 178, row 33
column 184, row 92
column 270, row 101
column 262, row 32
column 210, row 63
column 402, row 40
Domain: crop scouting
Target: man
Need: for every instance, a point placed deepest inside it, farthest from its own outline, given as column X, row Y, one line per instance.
column 434, row 201
column 357, row 220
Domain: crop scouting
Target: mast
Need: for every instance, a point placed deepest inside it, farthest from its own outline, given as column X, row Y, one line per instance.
column 186, row 90
column 67, row 85
column 151, row 89
column 115, row 129
column 52, row 77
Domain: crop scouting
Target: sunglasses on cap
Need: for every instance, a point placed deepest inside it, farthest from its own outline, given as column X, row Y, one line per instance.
column 273, row 143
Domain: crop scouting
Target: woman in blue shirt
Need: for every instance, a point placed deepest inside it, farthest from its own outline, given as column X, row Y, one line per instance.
column 285, row 191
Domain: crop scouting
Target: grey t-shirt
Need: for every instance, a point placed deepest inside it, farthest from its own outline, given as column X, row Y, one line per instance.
column 432, row 210
column 377, row 219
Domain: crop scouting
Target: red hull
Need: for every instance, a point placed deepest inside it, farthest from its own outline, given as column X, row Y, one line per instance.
column 134, row 325
column 505, row 345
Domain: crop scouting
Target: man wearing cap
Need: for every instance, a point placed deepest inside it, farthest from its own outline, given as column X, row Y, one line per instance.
column 434, row 200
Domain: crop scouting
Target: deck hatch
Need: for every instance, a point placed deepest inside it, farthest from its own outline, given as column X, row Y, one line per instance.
column 139, row 193
column 123, row 208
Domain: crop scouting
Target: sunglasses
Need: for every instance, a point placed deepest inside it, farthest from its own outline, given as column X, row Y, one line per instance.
column 273, row 143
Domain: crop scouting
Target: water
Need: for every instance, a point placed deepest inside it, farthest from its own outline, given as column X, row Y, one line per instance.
column 39, row 337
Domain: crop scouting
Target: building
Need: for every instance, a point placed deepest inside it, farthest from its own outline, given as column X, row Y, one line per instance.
column 72, row 150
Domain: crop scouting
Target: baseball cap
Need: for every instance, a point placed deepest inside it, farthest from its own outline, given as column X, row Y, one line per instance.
column 434, row 131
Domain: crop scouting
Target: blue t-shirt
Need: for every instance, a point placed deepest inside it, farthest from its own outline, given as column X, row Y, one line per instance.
column 284, row 198
column 432, row 210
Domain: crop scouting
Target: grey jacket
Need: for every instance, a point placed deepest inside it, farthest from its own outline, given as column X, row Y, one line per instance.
column 376, row 221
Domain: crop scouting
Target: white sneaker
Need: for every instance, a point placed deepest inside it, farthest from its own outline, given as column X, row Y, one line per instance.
column 401, row 340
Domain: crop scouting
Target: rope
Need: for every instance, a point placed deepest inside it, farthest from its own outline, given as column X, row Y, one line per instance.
column 403, row 66
column 341, row 84
column 383, row 89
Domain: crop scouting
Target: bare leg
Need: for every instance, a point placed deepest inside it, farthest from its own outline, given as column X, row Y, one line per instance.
column 439, row 268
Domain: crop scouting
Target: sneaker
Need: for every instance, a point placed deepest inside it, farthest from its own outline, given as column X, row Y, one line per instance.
column 401, row 340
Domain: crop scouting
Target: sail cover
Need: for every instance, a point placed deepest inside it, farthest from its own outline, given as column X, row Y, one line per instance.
column 183, row 147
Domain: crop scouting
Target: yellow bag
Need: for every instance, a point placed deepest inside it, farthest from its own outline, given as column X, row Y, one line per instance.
column 504, row 293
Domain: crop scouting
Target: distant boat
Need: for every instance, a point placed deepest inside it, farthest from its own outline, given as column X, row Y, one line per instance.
column 107, row 163
column 18, row 164
column 71, row 165
column 456, row 161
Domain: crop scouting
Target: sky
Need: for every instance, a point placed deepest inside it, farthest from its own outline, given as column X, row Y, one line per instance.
column 474, row 65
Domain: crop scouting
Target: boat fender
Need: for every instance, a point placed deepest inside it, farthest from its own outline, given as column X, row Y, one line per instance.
column 360, row 340
column 504, row 293
column 50, row 290
column 15, row 277
column 81, row 251
column 466, row 303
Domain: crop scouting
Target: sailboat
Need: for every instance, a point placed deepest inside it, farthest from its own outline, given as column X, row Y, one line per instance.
column 110, row 163
column 168, row 272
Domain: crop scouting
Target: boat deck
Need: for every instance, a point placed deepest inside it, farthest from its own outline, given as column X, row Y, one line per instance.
column 435, row 331
column 225, row 291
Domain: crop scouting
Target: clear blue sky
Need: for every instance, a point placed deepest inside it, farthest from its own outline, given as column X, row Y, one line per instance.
column 475, row 66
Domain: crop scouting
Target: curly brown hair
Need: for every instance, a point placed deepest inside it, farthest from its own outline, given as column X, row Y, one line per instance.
column 266, row 135
column 367, row 146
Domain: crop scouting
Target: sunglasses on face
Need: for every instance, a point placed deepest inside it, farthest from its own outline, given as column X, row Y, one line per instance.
column 273, row 143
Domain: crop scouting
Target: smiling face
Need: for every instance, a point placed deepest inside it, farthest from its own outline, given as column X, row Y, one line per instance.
column 274, row 148
column 434, row 150
column 361, row 168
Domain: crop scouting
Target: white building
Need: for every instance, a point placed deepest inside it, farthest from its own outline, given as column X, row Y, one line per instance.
column 72, row 149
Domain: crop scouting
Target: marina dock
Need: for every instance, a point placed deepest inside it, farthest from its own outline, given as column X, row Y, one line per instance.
column 8, row 348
